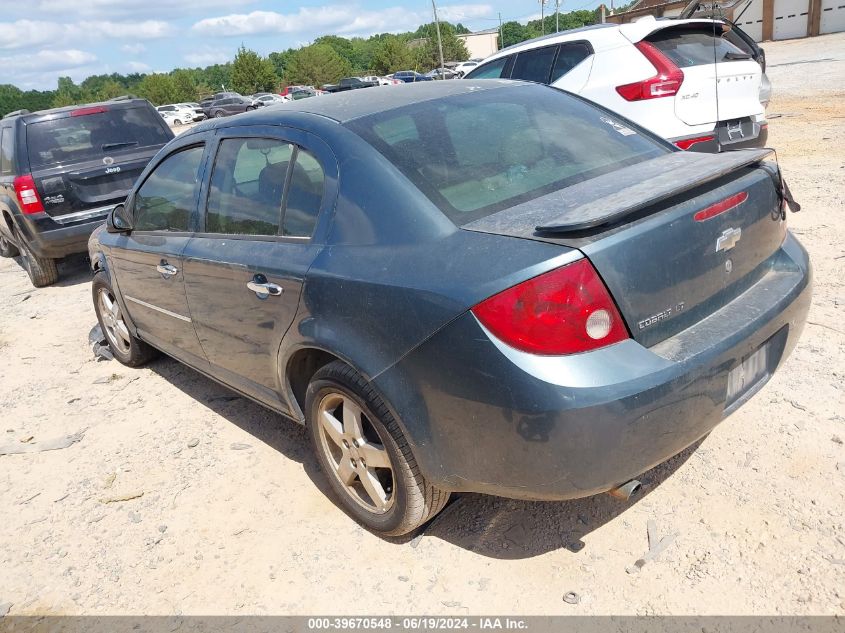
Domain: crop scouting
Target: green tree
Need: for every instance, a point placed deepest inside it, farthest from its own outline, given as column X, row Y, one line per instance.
column 428, row 55
column 158, row 88
column 252, row 73
column 184, row 85
column 68, row 93
column 392, row 54
column 316, row 65
column 514, row 33
column 280, row 62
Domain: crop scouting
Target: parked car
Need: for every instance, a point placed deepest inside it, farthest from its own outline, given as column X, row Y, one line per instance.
column 410, row 76
column 269, row 99
column 196, row 108
column 290, row 89
column 464, row 67
column 176, row 115
column 442, row 73
column 304, row 93
column 350, row 83
column 171, row 118
column 659, row 73
column 381, row 81
column 494, row 287
column 62, row 170
column 228, row 106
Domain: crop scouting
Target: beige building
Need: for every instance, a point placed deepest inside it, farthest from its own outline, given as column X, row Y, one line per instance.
column 481, row 44
column 761, row 19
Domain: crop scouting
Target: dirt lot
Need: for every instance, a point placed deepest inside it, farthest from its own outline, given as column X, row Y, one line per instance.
column 181, row 498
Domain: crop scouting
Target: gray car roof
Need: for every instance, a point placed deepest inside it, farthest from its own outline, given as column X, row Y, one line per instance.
column 353, row 104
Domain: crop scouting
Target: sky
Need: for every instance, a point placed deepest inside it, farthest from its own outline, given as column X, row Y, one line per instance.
column 42, row 40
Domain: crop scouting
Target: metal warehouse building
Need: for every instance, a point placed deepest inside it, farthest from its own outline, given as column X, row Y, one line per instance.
column 761, row 19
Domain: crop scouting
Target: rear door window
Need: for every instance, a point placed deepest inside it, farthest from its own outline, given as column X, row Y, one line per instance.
column 94, row 133
column 535, row 65
column 490, row 70
column 6, row 142
column 247, row 186
column 304, row 196
column 696, row 46
column 165, row 200
column 568, row 57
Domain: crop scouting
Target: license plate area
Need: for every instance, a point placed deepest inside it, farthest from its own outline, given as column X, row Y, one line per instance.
column 747, row 377
column 738, row 131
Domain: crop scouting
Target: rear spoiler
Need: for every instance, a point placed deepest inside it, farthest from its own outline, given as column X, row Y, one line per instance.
column 612, row 197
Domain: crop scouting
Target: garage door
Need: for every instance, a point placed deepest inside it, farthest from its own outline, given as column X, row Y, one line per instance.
column 751, row 20
column 833, row 16
column 790, row 19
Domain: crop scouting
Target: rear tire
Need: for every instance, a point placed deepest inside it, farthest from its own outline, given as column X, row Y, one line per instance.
column 126, row 348
column 42, row 271
column 218, row 115
column 388, row 495
column 7, row 247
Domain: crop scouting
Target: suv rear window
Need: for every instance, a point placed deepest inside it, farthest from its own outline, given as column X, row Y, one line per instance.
column 695, row 46
column 92, row 136
column 475, row 154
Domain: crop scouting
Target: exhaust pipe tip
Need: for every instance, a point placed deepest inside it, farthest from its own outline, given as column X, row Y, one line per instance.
column 626, row 490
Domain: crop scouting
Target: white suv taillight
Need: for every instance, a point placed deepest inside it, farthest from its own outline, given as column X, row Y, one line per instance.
column 665, row 83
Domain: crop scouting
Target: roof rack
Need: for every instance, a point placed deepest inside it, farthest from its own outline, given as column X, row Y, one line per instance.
column 16, row 113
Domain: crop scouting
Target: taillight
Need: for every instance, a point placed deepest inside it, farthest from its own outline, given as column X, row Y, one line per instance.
column 565, row 311
column 89, row 110
column 721, row 207
column 689, row 142
column 665, row 83
column 28, row 195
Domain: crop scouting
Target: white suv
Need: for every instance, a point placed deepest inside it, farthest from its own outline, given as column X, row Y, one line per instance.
column 672, row 77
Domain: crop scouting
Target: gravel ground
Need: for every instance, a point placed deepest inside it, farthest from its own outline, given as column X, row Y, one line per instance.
column 179, row 497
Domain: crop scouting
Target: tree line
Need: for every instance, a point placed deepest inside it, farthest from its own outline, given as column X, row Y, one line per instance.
column 326, row 60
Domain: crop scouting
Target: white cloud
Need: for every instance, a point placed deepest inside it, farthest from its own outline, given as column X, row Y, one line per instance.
column 332, row 19
column 208, row 57
column 129, row 7
column 133, row 49
column 30, row 33
column 42, row 61
column 138, row 67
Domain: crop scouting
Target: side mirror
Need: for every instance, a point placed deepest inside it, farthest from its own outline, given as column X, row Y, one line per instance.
column 118, row 220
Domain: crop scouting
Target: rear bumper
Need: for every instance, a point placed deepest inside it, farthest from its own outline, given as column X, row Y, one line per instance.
column 486, row 418
column 47, row 238
column 712, row 146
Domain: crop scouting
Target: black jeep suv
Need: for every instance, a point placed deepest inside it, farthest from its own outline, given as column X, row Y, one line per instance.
column 63, row 170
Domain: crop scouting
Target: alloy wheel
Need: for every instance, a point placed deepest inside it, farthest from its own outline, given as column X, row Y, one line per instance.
column 356, row 453
column 115, row 326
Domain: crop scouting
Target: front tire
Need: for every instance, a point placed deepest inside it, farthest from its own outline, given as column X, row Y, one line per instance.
column 42, row 271
column 365, row 456
column 219, row 115
column 125, row 347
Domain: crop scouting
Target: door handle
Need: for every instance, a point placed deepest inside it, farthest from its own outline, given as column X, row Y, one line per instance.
column 166, row 269
column 263, row 288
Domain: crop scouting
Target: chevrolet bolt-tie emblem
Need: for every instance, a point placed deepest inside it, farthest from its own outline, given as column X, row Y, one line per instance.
column 728, row 239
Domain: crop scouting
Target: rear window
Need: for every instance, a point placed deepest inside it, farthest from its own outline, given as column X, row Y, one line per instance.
column 696, row 46
column 93, row 136
column 477, row 153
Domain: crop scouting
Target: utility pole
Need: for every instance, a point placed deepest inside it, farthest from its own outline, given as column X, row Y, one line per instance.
column 439, row 41
column 557, row 16
column 542, row 17
column 501, row 32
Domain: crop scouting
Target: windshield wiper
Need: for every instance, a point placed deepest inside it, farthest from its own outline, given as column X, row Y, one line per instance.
column 732, row 55
column 123, row 144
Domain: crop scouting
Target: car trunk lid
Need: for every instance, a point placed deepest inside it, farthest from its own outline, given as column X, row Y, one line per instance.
column 665, row 265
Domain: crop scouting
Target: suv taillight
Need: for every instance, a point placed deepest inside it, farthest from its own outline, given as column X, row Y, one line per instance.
column 665, row 83
column 28, row 195
column 565, row 311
